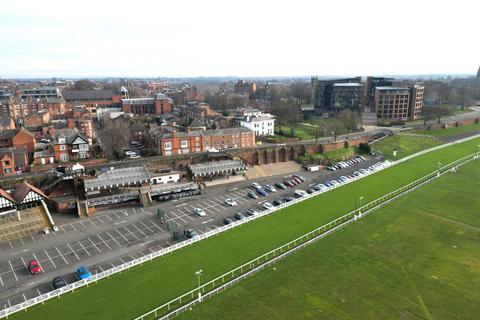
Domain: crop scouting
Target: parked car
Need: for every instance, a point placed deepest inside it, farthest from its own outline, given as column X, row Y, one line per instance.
column 252, row 212
column 44, row 140
column 252, row 195
column 130, row 153
column 331, row 168
column 270, row 188
column 262, row 192
column 231, row 202
column 82, row 273
column 310, row 191
column 135, row 157
column 239, row 216
column 267, row 205
column 288, row 199
column 320, row 187
column 277, row 202
column 58, row 282
column 300, row 193
column 302, row 179
column 199, row 212
column 34, row 267
column 362, row 157
column 296, row 180
column 256, row 185
column 190, row 233
column 289, row 183
column 227, row 221
column 280, row 185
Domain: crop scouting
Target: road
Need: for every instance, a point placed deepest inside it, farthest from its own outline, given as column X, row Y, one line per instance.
column 115, row 236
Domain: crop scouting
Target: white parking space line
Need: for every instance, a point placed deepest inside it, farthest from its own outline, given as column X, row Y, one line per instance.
column 68, row 244
column 116, row 230
column 142, row 209
column 53, row 263
column 144, row 234
column 93, row 224
column 116, row 215
column 114, row 239
column 26, row 268
column 73, row 226
column 134, row 210
column 176, row 216
column 155, row 225
column 81, row 245
column 10, row 243
column 212, row 205
column 21, row 240
column 1, row 281
column 94, row 244
column 105, row 242
column 61, row 255
column 129, row 231
column 13, row 271
column 186, row 213
column 147, row 227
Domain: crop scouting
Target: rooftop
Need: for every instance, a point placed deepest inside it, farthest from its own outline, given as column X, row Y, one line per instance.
column 214, row 167
column 118, row 177
column 347, row 84
column 392, row 88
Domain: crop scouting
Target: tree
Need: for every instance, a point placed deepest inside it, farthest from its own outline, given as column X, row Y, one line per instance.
column 349, row 119
column 432, row 112
column 84, row 85
column 287, row 112
column 302, row 91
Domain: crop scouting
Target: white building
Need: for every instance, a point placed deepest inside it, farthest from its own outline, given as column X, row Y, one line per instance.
column 261, row 123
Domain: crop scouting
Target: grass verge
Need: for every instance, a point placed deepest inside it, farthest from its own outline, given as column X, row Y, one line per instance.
column 404, row 144
column 416, row 258
column 452, row 131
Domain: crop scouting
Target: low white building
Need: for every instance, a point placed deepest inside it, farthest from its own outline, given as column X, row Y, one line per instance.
column 261, row 123
column 164, row 177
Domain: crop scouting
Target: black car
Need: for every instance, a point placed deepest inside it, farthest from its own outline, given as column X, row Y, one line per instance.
column 251, row 212
column 227, row 221
column 58, row 282
column 277, row 202
column 252, row 195
column 310, row 191
column 288, row 199
column 239, row 216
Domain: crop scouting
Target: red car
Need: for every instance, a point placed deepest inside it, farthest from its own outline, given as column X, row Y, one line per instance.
column 298, row 181
column 34, row 267
column 288, row 183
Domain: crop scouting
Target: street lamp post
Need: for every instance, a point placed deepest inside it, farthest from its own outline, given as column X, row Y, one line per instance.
column 439, row 166
column 358, row 203
column 199, row 274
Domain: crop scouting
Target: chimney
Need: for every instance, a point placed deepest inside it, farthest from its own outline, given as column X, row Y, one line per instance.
column 189, row 130
column 174, row 134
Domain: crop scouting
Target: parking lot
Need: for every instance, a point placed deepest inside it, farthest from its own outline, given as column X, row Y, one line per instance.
column 116, row 236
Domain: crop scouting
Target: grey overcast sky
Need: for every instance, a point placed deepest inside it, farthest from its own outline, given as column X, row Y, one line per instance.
column 239, row 38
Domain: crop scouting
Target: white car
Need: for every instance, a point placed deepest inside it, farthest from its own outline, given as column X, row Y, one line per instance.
column 300, row 193
column 270, row 188
column 231, row 202
column 256, row 185
column 135, row 157
column 267, row 205
column 130, row 153
column 199, row 212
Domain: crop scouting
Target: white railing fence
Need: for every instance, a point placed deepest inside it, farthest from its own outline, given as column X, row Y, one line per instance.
column 125, row 266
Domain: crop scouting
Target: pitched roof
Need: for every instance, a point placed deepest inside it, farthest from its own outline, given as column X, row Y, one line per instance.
column 6, row 195
column 26, row 132
column 20, row 192
column 88, row 94
column 5, row 121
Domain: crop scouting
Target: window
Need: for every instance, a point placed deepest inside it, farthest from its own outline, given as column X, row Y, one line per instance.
column 167, row 145
column 63, row 147
column 184, row 144
column 6, row 163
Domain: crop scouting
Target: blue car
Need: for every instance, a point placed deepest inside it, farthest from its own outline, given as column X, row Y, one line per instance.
column 261, row 192
column 82, row 273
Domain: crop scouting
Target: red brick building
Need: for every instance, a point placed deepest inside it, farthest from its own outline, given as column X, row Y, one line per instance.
column 6, row 123
column 13, row 160
column 37, row 119
column 93, row 98
column 174, row 143
column 24, row 138
column 159, row 104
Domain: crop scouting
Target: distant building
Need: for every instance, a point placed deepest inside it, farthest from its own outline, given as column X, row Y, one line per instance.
column 94, row 98
column 245, row 87
column 330, row 95
column 392, row 103
column 13, row 160
column 36, row 119
column 262, row 124
column 159, row 104
column 43, row 92
column 24, row 138
column 370, row 85
column 6, row 123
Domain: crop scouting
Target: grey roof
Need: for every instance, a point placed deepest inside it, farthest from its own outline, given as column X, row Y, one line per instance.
column 117, row 178
column 4, row 121
column 18, row 154
column 391, row 88
column 221, row 132
column 216, row 167
column 347, row 84
column 88, row 94
column 7, row 134
column 69, row 134
column 42, row 153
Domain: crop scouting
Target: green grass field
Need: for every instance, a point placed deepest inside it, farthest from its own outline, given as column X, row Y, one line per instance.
column 300, row 132
column 451, row 131
column 417, row 258
column 404, row 144
column 131, row 293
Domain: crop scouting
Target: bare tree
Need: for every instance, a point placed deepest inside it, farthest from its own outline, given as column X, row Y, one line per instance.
column 349, row 119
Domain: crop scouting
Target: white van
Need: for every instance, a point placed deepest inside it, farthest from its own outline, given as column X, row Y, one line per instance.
column 300, row 193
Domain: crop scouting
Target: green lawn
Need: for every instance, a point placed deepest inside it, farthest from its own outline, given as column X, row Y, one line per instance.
column 300, row 132
column 332, row 156
column 452, row 131
column 417, row 258
column 131, row 293
column 404, row 144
